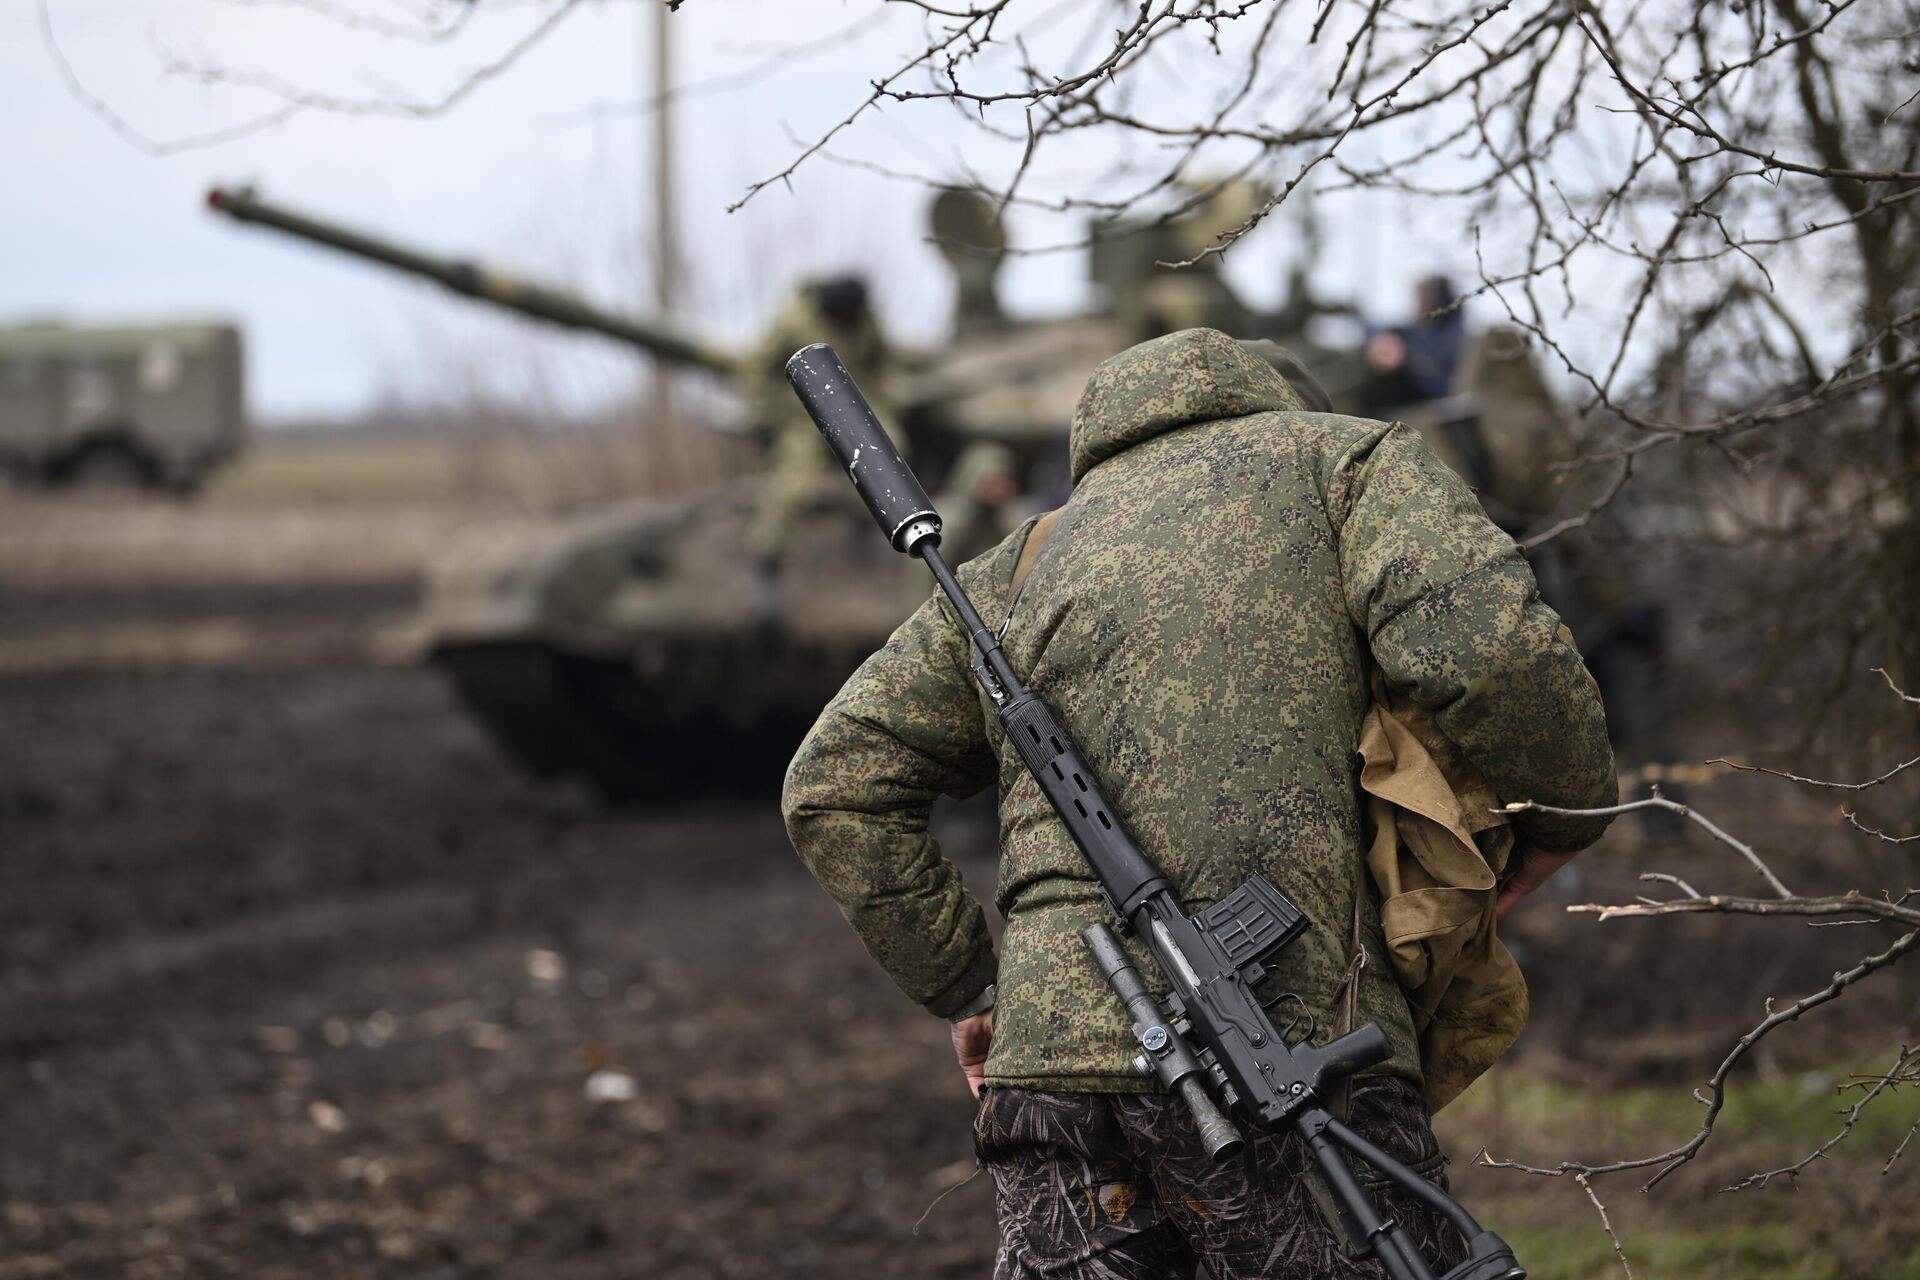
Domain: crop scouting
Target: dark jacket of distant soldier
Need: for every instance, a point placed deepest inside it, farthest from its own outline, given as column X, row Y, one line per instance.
column 1206, row 617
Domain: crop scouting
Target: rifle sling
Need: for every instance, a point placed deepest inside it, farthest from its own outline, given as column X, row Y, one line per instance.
column 1036, row 543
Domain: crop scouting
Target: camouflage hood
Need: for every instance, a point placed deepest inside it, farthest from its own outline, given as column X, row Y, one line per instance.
column 1194, row 376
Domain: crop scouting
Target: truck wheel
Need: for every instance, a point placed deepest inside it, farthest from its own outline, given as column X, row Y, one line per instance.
column 108, row 468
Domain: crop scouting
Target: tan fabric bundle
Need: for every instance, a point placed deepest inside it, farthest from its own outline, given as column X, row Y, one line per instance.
column 1438, row 851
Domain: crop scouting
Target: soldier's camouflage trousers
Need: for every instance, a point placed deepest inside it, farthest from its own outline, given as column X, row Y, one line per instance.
column 1109, row 1186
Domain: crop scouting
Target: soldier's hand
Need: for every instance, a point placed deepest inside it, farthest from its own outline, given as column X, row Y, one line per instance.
column 1536, row 865
column 971, row 1038
column 1386, row 352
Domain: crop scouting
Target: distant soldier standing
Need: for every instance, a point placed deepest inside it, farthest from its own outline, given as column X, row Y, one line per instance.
column 799, row 478
column 1206, row 615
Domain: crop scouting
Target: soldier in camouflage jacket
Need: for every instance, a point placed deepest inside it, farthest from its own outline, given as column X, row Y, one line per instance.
column 1204, row 618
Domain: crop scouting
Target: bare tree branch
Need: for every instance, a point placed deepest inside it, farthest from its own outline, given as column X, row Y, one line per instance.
column 1890, row 774
column 1901, row 1072
column 1851, row 907
column 1658, row 801
column 1665, row 1162
column 294, row 100
column 1853, row 821
column 1619, row 1250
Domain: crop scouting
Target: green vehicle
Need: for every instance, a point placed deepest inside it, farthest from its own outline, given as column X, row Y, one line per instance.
column 643, row 648
column 121, row 407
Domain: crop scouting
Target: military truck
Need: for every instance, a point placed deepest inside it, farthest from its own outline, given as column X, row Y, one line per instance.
column 146, row 406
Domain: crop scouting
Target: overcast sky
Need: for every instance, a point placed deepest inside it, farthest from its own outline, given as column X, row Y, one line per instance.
column 540, row 168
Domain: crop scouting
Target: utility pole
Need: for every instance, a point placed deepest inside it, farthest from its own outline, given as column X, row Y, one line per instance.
column 665, row 245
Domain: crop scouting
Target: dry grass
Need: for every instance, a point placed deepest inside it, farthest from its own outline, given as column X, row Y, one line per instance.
column 1841, row 1219
column 308, row 507
column 54, row 541
column 513, row 469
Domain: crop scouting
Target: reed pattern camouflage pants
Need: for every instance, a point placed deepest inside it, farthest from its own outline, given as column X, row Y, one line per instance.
column 1106, row 1186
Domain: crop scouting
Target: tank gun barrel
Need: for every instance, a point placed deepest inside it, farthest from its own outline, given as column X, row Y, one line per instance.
column 473, row 280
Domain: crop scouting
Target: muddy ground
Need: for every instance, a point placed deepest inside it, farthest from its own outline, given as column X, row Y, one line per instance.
column 299, row 978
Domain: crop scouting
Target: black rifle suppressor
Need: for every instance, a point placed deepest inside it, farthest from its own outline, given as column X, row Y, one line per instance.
column 1211, row 960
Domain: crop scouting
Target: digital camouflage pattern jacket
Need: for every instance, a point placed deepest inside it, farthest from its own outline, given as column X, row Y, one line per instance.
column 1204, row 618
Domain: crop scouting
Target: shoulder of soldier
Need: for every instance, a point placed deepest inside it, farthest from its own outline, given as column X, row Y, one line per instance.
column 1347, row 449
column 1341, row 453
column 1335, row 447
column 1338, row 436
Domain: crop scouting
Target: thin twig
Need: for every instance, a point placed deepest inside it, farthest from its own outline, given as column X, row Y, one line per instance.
column 1895, row 1076
column 1665, row 1162
column 1890, row 774
column 1619, row 1251
column 1658, row 801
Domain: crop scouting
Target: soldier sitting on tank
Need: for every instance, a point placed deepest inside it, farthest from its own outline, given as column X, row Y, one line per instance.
column 1414, row 363
column 799, row 478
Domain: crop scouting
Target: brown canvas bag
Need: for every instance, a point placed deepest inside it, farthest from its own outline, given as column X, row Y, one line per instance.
column 1439, row 848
